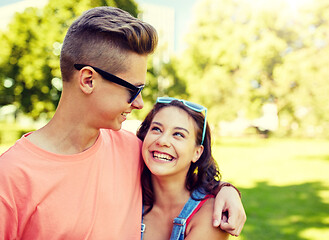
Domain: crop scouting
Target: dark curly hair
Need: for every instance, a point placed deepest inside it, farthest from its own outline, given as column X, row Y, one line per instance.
column 203, row 174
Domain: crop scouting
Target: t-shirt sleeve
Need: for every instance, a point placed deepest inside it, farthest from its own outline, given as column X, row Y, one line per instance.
column 8, row 223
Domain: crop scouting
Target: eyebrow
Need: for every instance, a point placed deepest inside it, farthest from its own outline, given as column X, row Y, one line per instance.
column 177, row 128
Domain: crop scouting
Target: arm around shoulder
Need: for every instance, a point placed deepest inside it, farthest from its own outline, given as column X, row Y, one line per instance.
column 228, row 200
column 201, row 226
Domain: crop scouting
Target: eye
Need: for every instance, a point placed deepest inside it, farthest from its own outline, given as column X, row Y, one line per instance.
column 132, row 92
column 155, row 129
column 179, row 134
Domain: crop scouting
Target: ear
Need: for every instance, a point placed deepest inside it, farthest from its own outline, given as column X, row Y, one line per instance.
column 197, row 153
column 86, row 80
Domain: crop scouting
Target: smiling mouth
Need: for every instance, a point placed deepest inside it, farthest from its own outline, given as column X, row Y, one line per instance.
column 162, row 156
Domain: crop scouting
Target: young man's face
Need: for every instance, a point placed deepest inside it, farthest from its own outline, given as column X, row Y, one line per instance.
column 112, row 100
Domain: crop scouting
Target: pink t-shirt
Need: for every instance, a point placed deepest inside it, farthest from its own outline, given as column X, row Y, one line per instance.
column 95, row 194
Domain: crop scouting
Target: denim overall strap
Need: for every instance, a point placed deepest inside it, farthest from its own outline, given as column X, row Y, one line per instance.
column 143, row 225
column 178, row 231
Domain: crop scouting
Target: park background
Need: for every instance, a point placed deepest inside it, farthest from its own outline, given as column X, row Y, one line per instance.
column 261, row 69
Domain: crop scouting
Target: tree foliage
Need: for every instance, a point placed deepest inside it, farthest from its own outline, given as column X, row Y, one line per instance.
column 29, row 65
column 303, row 78
column 242, row 55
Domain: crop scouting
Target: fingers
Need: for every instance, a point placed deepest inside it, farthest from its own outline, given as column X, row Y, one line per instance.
column 243, row 221
column 217, row 215
column 225, row 226
column 229, row 224
column 224, row 217
column 228, row 200
column 216, row 221
column 234, row 224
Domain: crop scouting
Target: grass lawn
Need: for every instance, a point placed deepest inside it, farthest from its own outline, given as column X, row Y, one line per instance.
column 284, row 184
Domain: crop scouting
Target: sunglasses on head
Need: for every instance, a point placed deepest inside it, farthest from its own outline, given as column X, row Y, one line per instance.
column 133, row 90
column 194, row 106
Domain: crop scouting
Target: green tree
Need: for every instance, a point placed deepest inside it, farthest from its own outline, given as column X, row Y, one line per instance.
column 244, row 54
column 303, row 79
column 29, row 65
column 231, row 54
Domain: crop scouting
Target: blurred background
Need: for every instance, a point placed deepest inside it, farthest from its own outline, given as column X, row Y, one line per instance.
column 260, row 67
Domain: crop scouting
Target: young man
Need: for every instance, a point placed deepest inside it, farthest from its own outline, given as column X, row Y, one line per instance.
column 78, row 177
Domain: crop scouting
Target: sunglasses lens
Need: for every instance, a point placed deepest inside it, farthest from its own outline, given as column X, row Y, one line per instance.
column 165, row 99
column 134, row 94
column 194, row 106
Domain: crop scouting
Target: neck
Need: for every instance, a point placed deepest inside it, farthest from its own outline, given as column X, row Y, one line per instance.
column 170, row 192
column 66, row 133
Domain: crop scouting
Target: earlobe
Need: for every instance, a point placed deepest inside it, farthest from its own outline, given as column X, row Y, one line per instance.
column 86, row 81
column 197, row 154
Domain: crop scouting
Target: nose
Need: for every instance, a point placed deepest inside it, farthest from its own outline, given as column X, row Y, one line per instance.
column 163, row 140
column 138, row 102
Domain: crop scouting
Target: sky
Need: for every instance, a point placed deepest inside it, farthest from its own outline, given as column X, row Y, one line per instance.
column 183, row 16
column 183, row 9
column 6, row 2
column 8, row 8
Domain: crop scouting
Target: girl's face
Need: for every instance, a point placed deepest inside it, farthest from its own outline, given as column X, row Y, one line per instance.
column 169, row 146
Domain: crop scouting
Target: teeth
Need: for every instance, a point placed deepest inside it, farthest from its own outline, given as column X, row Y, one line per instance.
column 162, row 156
column 124, row 114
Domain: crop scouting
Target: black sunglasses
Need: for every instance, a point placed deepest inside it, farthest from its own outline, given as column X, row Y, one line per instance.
column 134, row 91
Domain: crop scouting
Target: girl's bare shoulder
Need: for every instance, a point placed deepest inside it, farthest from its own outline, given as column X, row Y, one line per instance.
column 200, row 226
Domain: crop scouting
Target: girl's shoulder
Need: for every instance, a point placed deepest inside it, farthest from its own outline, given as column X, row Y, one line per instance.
column 200, row 225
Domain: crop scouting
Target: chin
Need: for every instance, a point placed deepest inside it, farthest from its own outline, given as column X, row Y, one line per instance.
column 116, row 127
